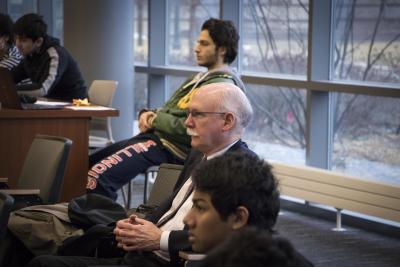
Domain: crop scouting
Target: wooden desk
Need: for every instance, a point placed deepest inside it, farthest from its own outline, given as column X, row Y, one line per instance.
column 18, row 128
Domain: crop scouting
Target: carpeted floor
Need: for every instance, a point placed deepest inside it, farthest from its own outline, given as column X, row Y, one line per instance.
column 314, row 238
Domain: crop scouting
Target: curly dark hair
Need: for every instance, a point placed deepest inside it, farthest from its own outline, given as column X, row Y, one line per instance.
column 238, row 179
column 6, row 25
column 256, row 248
column 224, row 34
column 31, row 26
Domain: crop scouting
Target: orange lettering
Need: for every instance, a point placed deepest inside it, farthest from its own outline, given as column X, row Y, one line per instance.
column 109, row 162
column 92, row 174
column 99, row 168
column 124, row 151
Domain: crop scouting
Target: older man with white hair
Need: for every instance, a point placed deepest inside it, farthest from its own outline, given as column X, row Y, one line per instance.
column 217, row 116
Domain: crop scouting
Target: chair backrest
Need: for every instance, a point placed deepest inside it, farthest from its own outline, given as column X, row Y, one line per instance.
column 164, row 184
column 45, row 165
column 101, row 92
column 6, row 202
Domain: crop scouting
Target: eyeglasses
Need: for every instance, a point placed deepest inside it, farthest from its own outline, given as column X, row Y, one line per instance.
column 199, row 114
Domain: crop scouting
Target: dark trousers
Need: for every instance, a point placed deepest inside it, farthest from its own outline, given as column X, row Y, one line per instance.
column 135, row 259
column 116, row 165
column 13, row 252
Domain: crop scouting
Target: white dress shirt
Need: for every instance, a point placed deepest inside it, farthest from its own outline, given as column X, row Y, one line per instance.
column 176, row 222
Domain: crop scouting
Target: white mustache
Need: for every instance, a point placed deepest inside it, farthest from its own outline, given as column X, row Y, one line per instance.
column 191, row 132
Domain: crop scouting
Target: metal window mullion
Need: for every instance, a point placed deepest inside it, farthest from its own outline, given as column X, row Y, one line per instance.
column 158, row 25
column 371, row 89
column 319, row 103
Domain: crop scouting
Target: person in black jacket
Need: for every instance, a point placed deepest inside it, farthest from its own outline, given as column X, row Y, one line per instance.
column 235, row 207
column 231, row 192
column 51, row 70
column 217, row 116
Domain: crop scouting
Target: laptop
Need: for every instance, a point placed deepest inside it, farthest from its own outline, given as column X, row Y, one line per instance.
column 9, row 97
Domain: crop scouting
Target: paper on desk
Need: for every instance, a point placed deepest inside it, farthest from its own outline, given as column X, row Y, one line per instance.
column 88, row 108
column 52, row 103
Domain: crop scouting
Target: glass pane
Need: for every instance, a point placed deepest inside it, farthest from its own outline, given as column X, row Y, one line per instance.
column 58, row 19
column 174, row 82
column 367, row 137
column 185, row 20
column 140, row 92
column 18, row 8
column 277, row 130
column 274, row 36
column 367, row 40
column 141, row 31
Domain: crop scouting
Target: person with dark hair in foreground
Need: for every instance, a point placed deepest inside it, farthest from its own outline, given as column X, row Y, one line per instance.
column 9, row 55
column 163, row 137
column 217, row 117
column 256, row 248
column 52, row 71
column 231, row 193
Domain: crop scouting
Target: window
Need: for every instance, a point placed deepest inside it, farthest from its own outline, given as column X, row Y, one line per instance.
column 275, row 36
column 58, row 19
column 185, row 19
column 18, row 8
column 367, row 137
column 174, row 82
column 277, row 130
column 140, row 35
column 367, row 41
column 367, row 128
column 353, row 85
column 141, row 45
column 52, row 12
column 140, row 92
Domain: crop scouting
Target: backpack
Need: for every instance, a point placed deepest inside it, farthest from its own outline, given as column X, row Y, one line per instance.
column 42, row 229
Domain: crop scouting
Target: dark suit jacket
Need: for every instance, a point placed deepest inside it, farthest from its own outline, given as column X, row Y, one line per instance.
column 179, row 240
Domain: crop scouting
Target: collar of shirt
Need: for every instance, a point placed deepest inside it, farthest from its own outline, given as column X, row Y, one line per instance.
column 221, row 152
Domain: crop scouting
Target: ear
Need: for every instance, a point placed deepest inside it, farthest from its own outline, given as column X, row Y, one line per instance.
column 222, row 51
column 39, row 41
column 230, row 121
column 240, row 218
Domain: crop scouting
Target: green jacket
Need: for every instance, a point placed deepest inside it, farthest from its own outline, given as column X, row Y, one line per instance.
column 169, row 124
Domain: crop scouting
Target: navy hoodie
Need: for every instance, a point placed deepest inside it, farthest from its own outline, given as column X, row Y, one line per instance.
column 52, row 71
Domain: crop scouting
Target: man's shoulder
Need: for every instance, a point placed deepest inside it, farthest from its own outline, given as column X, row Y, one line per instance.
column 56, row 49
column 193, row 155
column 53, row 46
column 241, row 147
column 226, row 74
column 221, row 74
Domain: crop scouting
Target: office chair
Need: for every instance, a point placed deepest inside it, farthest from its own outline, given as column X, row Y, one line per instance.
column 166, row 176
column 101, row 92
column 126, row 190
column 43, row 169
column 163, row 185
